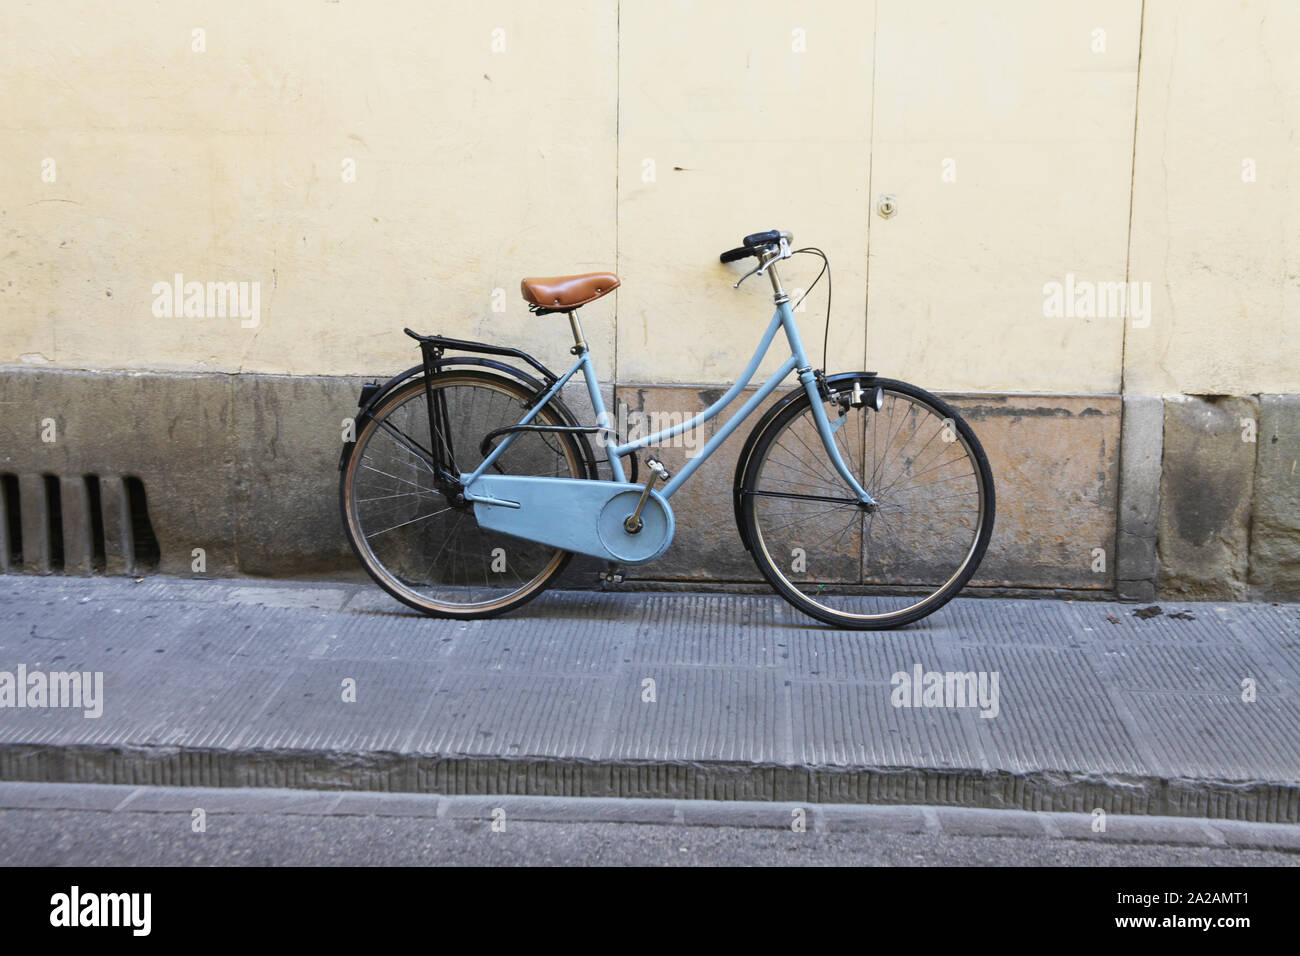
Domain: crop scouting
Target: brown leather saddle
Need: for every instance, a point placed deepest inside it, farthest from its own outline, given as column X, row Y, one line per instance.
column 565, row 293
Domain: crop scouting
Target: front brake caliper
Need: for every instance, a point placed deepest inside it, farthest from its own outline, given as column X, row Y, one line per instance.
column 823, row 388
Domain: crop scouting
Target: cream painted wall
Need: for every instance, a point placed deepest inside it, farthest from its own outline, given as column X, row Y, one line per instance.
column 750, row 125
column 1039, row 131
column 1220, row 86
column 475, row 167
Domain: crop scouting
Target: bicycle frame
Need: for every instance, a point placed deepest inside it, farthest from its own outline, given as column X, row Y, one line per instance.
column 798, row 361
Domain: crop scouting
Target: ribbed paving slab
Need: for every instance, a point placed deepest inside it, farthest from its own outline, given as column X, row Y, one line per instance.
column 683, row 696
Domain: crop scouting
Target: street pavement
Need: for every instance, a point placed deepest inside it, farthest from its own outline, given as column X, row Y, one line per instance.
column 1086, row 706
column 95, row 825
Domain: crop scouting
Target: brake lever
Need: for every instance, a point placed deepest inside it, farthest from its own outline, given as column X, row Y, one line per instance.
column 758, row 268
column 783, row 252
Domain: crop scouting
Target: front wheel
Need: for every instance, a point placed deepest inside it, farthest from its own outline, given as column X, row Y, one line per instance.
column 861, row 569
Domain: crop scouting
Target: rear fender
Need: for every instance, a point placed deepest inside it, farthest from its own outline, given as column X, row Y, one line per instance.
column 373, row 393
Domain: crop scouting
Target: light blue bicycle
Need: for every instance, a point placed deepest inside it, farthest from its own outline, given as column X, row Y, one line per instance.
column 865, row 502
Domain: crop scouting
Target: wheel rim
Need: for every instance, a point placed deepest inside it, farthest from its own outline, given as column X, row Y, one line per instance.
column 431, row 552
column 864, row 567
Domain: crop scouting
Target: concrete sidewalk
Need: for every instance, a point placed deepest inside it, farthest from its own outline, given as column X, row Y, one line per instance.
column 239, row 683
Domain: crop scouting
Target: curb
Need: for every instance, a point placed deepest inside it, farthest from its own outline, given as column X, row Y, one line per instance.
column 816, row 818
column 388, row 772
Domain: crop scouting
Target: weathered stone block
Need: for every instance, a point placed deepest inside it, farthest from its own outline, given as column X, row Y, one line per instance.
column 1055, row 463
column 1205, row 497
column 1141, row 450
column 288, row 434
column 1275, row 523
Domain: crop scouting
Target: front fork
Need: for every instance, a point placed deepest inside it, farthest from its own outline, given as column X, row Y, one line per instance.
column 813, row 387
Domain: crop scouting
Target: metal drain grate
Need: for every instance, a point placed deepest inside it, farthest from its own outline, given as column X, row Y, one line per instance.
column 79, row 525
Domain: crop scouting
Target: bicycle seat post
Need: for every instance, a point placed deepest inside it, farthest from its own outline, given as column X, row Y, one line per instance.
column 579, row 346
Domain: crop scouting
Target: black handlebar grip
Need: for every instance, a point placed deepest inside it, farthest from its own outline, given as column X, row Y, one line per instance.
column 731, row 255
column 763, row 238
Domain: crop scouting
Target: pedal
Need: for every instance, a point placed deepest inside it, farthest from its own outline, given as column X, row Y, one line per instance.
column 632, row 524
column 611, row 577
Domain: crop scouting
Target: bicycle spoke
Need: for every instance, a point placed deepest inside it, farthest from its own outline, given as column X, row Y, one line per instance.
column 405, row 523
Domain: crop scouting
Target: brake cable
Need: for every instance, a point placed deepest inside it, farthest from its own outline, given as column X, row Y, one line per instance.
column 826, row 271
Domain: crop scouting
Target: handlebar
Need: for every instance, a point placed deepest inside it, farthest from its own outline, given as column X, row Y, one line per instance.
column 755, row 244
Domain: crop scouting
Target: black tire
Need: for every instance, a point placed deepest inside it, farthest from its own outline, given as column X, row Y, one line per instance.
column 901, row 583
column 460, row 530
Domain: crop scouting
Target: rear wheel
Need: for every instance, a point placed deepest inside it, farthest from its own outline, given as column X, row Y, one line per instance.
column 424, row 547
column 860, row 569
